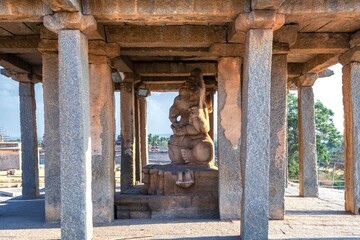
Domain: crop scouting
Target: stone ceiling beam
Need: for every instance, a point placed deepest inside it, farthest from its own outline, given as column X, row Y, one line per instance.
column 266, row 4
column 63, row 5
column 22, row 11
column 294, row 69
column 19, row 44
column 320, row 63
column 160, row 12
column 14, row 64
column 321, row 43
column 302, row 7
column 122, row 64
column 165, row 36
column 174, row 69
column 165, row 51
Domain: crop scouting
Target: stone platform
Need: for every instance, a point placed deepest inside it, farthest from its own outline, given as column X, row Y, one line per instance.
column 133, row 205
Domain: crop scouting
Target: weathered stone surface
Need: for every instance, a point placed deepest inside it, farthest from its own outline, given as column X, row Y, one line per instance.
column 353, row 55
column 307, row 143
column 321, row 43
column 306, row 80
column 229, row 137
column 267, row 19
column 255, row 142
column 19, row 44
column 75, row 138
column 227, row 50
column 102, row 142
column 287, row 34
column 355, row 39
column 51, row 138
column 127, row 136
column 320, row 63
column 351, row 91
column 266, row 4
column 158, row 12
column 30, row 161
column 318, row 6
column 23, row 11
column 294, row 69
column 63, row 5
column 165, row 36
column 10, row 155
column 278, row 131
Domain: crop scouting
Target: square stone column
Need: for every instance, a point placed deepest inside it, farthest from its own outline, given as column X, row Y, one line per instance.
column 307, row 143
column 255, row 142
column 75, row 138
column 278, row 133
column 127, row 136
column 351, row 99
column 229, row 136
column 138, row 167
column 29, row 148
column 143, row 132
column 50, row 63
column 102, row 139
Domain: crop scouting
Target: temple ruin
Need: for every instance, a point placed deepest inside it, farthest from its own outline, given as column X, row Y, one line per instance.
column 251, row 52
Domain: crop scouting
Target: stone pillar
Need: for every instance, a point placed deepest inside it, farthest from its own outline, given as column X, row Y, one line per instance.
column 255, row 132
column 137, row 140
column 102, row 133
column 211, row 115
column 229, row 136
column 351, row 99
column 127, row 136
column 50, row 70
column 29, row 156
column 307, row 143
column 75, row 136
column 143, row 131
column 278, row 132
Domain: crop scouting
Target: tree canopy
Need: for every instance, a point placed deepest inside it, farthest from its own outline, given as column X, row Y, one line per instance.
column 329, row 141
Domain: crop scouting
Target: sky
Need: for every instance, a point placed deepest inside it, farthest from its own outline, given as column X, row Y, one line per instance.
column 327, row 90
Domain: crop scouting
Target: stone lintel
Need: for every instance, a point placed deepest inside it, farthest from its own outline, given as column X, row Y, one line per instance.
column 286, row 34
column 63, row 5
column 280, row 48
column 321, row 43
column 101, row 48
column 14, row 63
column 19, row 44
column 267, row 19
column 21, row 77
column 266, row 4
column 48, row 45
column 165, row 36
column 122, row 64
column 174, row 69
column 320, row 63
column 227, row 49
column 306, row 80
column 353, row 55
column 22, row 11
column 70, row 21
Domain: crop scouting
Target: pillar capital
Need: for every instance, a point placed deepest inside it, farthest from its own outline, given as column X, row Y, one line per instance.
column 306, row 80
column 70, row 21
column 352, row 55
column 267, row 19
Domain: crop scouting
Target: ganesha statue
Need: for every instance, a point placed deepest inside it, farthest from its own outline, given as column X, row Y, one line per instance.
column 189, row 115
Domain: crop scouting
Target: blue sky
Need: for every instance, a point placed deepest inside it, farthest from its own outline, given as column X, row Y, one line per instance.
column 327, row 90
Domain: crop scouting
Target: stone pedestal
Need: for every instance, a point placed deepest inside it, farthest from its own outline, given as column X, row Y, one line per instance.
column 278, row 132
column 75, row 138
column 255, row 142
column 51, row 139
column 127, row 136
column 307, row 143
column 30, row 162
column 351, row 99
column 102, row 140
column 229, row 136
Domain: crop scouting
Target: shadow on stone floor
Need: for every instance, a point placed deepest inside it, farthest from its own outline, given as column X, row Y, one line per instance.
column 316, row 212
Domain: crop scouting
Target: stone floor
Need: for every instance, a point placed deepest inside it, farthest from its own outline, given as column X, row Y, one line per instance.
column 306, row 218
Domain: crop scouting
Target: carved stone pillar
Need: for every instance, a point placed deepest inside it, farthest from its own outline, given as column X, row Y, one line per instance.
column 29, row 149
column 229, row 136
column 255, row 134
column 351, row 99
column 102, row 129
column 127, row 136
column 307, row 140
column 278, row 132
column 75, row 137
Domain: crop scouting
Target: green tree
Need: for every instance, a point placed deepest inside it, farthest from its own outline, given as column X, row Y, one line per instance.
column 329, row 141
